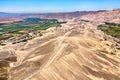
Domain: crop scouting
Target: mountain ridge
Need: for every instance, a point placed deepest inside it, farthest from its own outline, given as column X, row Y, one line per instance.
column 77, row 13
column 75, row 51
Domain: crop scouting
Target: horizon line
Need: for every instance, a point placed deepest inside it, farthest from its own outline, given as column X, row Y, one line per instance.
column 22, row 12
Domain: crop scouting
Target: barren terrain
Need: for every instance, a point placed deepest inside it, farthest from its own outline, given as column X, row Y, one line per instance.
column 75, row 51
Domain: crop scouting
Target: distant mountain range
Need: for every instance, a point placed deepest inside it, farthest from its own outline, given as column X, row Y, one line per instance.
column 8, row 15
column 95, row 16
column 47, row 15
column 106, row 16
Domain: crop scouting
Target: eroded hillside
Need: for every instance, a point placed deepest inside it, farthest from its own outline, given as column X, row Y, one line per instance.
column 77, row 52
column 106, row 16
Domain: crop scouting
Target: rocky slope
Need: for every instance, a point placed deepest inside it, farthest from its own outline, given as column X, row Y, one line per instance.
column 6, row 57
column 77, row 52
column 60, row 15
column 14, row 17
column 106, row 16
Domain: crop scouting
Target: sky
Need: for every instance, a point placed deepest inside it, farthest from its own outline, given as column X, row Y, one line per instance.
column 43, row 6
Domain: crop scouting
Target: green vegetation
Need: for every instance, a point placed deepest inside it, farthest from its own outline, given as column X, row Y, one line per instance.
column 47, row 25
column 13, row 27
column 25, row 26
column 32, row 20
column 15, row 32
column 112, row 29
column 30, row 23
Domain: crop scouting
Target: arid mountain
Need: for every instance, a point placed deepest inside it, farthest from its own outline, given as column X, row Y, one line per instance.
column 96, row 16
column 14, row 17
column 75, row 51
column 10, row 20
column 67, row 53
column 8, row 15
column 106, row 16
column 60, row 14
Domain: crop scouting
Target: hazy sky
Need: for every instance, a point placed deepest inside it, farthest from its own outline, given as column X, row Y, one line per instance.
column 26, row 6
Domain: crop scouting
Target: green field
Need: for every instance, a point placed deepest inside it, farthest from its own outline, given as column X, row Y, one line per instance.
column 28, row 24
column 112, row 29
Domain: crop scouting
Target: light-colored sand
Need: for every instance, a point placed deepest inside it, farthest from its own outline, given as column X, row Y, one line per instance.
column 72, row 54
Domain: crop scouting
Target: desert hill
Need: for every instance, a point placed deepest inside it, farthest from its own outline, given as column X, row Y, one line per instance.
column 75, row 51
column 14, row 17
column 67, row 53
column 105, row 16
